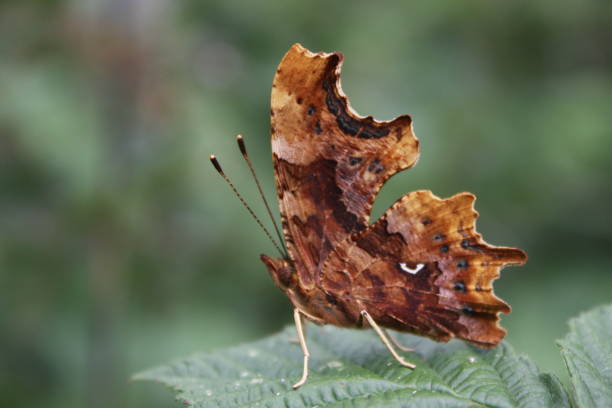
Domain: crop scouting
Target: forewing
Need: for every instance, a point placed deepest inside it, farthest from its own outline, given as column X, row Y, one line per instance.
column 423, row 268
column 329, row 162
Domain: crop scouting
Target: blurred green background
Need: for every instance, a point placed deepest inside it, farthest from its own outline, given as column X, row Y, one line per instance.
column 121, row 248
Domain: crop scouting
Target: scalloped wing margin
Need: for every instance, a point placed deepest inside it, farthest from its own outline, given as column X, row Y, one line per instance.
column 423, row 268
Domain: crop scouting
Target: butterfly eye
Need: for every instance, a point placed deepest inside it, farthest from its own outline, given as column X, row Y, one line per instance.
column 311, row 110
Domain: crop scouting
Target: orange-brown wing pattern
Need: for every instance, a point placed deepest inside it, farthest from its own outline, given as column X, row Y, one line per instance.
column 422, row 267
column 329, row 162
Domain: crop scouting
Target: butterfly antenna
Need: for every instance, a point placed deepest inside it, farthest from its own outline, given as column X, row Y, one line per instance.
column 243, row 150
column 215, row 163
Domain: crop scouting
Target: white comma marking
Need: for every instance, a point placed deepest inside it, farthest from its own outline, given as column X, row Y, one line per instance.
column 411, row 271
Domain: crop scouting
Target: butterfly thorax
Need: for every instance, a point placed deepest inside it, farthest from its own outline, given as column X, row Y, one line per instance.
column 321, row 305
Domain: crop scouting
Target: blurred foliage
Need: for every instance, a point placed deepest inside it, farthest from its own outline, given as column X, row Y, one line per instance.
column 119, row 245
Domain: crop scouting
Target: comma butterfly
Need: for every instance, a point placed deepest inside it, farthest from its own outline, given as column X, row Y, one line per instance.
column 420, row 268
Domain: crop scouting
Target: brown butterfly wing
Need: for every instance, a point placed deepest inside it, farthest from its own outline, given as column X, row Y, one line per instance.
column 329, row 162
column 423, row 268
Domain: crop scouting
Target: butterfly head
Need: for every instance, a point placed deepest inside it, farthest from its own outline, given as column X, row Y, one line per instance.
column 282, row 271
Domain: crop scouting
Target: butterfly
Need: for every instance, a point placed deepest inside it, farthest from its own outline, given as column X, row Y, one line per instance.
column 420, row 268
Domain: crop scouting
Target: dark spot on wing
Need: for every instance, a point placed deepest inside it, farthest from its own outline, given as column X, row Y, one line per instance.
column 459, row 286
column 375, row 279
column 470, row 243
column 331, row 299
column 353, row 161
column 467, row 310
column 331, row 100
column 347, row 123
column 376, row 167
column 398, row 134
column 372, row 132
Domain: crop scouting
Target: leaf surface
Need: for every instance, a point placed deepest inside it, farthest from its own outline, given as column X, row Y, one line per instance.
column 351, row 368
column 587, row 351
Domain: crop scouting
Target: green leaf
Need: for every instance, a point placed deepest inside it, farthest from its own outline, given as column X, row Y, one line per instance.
column 351, row 368
column 587, row 351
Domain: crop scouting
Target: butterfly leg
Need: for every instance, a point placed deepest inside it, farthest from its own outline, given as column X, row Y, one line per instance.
column 297, row 316
column 313, row 319
column 385, row 340
column 296, row 340
column 397, row 343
